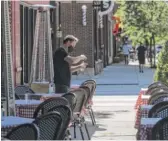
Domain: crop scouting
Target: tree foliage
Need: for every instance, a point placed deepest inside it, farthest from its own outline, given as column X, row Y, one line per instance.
column 161, row 73
column 141, row 19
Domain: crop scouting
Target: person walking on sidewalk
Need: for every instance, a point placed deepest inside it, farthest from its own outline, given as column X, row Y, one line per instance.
column 141, row 57
column 64, row 64
column 126, row 51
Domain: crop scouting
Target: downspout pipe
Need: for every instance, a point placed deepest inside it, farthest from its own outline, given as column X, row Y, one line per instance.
column 13, row 40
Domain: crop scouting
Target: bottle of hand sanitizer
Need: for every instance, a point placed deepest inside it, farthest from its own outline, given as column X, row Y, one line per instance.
column 51, row 88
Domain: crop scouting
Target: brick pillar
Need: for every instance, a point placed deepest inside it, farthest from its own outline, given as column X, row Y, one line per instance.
column 16, row 41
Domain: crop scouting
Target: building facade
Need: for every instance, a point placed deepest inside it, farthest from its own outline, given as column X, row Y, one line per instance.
column 95, row 40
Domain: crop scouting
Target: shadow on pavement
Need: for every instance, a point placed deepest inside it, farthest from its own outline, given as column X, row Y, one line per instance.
column 92, row 129
column 104, row 114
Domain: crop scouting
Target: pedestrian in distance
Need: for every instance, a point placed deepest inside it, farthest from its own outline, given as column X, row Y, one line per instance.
column 141, row 57
column 126, row 52
column 64, row 64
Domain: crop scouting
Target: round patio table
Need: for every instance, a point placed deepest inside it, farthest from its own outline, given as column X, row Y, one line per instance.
column 9, row 122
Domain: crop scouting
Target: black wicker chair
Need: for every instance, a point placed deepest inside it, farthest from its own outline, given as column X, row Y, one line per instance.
column 24, row 132
column 155, row 84
column 161, row 113
column 160, row 130
column 87, row 93
column 157, row 97
column 66, row 115
column 49, row 104
column 92, row 85
column 49, row 125
column 87, row 105
column 78, row 110
column 71, row 97
column 153, row 111
column 156, row 90
column 21, row 90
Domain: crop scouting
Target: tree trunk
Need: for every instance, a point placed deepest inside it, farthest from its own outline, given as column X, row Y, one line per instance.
column 154, row 65
column 150, row 52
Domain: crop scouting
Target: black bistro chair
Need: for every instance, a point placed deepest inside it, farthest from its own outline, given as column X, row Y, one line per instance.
column 160, row 130
column 21, row 90
column 87, row 104
column 48, row 104
column 92, row 85
column 66, row 114
column 24, row 132
column 155, row 84
column 161, row 113
column 49, row 125
column 157, row 98
column 71, row 97
column 156, row 90
column 153, row 113
column 78, row 112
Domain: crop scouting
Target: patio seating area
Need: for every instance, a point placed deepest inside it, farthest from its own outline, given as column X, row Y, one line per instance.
column 50, row 116
column 152, row 112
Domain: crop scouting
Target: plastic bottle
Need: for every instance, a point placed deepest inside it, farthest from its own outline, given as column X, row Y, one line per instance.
column 51, row 88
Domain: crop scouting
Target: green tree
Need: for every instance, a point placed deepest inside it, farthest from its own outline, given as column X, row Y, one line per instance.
column 161, row 73
column 144, row 20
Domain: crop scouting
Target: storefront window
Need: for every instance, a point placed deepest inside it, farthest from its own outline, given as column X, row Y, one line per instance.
column 27, row 27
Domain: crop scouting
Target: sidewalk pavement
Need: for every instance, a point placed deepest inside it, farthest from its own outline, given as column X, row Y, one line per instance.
column 116, row 93
column 119, row 79
column 115, row 118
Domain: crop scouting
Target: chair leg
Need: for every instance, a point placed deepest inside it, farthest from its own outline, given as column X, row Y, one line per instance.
column 86, row 128
column 93, row 115
column 80, row 128
column 69, row 134
column 74, row 130
column 90, row 113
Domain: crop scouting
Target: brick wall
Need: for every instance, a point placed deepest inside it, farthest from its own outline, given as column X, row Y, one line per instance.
column 71, row 23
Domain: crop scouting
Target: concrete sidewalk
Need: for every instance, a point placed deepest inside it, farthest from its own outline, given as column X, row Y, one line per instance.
column 115, row 118
column 119, row 79
column 116, row 93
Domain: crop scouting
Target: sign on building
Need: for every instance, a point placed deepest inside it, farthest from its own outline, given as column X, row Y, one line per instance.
column 105, row 4
column 106, row 7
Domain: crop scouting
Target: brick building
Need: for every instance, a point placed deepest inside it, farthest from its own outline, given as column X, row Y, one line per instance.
column 97, row 43
column 94, row 42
